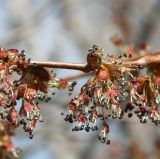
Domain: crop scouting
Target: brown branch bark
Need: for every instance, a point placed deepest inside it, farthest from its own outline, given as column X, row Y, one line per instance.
column 51, row 64
column 142, row 60
column 81, row 75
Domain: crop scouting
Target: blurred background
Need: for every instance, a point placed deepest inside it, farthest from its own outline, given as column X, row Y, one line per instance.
column 63, row 30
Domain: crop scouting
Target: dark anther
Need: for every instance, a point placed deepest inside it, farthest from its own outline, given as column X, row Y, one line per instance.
column 23, row 52
column 31, row 135
column 34, row 64
column 74, row 83
column 130, row 115
column 129, row 56
column 87, row 128
column 103, row 139
column 95, row 48
column 108, row 142
column 62, row 113
column 120, row 56
column 29, row 60
column 124, row 55
column 89, row 50
column 82, row 127
column 22, row 122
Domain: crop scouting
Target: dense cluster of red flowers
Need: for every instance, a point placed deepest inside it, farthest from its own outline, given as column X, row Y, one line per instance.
column 31, row 86
column 117, row 89
column 25, row 88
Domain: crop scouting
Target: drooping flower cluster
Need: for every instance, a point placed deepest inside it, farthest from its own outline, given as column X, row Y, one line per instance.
column 115, row 90
column 24, row 88
column 31, row 86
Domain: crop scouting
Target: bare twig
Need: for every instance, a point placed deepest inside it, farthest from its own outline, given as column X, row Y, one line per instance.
column 81, row 75
column 80, row 67
column 142, row 60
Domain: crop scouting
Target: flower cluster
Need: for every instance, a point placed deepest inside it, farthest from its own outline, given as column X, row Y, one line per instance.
column 114, row 91
column 32, row 85
column 25, row 88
